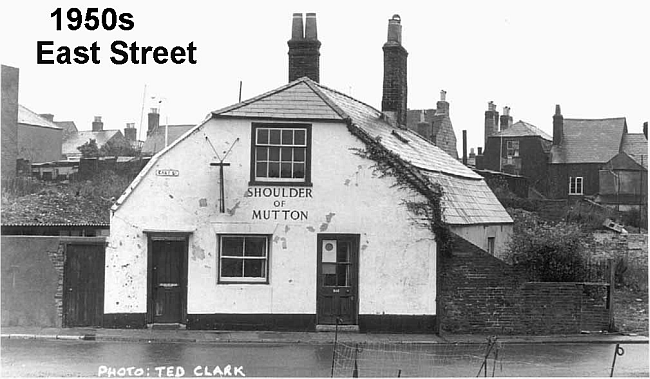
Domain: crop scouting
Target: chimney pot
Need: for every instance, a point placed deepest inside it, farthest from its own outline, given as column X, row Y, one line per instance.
column 98, row 125
column 395, row 29
column 443, row 95
column 310, row 26
column 480, row 151
column 296, row 27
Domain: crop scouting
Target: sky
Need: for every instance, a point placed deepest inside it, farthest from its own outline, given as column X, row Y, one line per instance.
column 591, row 57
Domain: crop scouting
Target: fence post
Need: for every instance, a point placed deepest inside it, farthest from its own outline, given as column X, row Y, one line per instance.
column 610, row 294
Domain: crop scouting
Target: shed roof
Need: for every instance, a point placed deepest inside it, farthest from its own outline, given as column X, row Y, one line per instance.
column 28, row 117
column 522, row 129
column 467, row 200
column 589, row 141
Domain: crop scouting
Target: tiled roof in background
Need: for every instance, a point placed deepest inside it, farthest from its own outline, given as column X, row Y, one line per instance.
column 523, row 129
column 28, row 117
column 589, row 141
column 156, row 141
column 636, row 146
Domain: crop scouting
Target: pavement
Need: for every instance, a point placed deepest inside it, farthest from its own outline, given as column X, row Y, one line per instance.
column 317, row 338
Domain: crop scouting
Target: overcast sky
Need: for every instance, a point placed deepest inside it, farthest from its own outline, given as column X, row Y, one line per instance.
column 590, row 57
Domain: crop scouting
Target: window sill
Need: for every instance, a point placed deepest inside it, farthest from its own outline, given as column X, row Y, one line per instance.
column 281, row 184
column 241, row 282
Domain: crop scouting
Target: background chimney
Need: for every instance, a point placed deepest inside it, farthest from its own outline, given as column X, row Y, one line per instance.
column 394, row 97
column 480, row 151
column 48, row 116
column 558, row 126
column 506, row 119
column 645, row 129
column 472, row 154
column 491, row 121
column 153, row 119
column 304, row 54
column 442, row 105
column 465, row 147
column 130, row 132
column 98, row 125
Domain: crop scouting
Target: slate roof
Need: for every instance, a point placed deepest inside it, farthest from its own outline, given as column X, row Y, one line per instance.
column 522, row 129
column 468, row 200
column 77, row 139
column 589, row 141
column 68, row 127
column 156, row 141
column 28, row 117
column 636, row 146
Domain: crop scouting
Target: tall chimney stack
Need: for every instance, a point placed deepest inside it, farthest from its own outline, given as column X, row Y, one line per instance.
column 394, row 97
column 130, row 132
column 558, row 126
column 442, row 105
column 98, row 125
column 465, row 147
column 491, row 121
column 506, row 119
column 304, row 54
column 153, row 119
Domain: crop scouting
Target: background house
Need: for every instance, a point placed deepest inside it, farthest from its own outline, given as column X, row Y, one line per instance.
column 102, row 137
column 39, row 140
column 435, row 125
column 161, row 136
column 519, row 149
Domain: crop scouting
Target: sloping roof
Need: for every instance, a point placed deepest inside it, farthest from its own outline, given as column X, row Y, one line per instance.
column 522, row 129
column 77, row 139
column 28, row 117
column 67, row 126
column 589, row 141
column 467, row 200
column 156, row 141
column 636, row 146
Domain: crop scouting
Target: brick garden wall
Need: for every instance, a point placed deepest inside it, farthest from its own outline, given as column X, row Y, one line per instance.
column 482, row 294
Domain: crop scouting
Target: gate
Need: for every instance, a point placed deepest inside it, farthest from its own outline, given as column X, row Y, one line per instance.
column 83, row 284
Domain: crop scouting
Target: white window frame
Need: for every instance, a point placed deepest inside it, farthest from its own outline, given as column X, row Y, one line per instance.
column 576, row 185
column 283, row 148
column 243, row 279
column 512, row 148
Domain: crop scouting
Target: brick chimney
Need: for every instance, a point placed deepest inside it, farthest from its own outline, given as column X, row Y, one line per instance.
column 442, row 105
column 491, row 121
column 423, row 128
column 394, row 98
column 558, row 126
column 645, row 129
column 48, row 116
column 304, row 54
column 153, row 119
column 130, row 132
column 506, row 119
column 98, row 125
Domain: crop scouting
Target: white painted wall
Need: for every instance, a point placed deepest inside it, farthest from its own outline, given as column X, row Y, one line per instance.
column 396, row 261
column 478, row 235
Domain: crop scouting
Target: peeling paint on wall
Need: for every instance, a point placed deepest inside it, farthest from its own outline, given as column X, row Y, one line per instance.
column 197, row 252
column 310, row 229
column 203, row 203
column 284, row 243
column 231, row 211
column 286, row 229
column 324, row 226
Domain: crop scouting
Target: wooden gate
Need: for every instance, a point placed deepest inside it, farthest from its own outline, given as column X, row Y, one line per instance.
column 83, row 284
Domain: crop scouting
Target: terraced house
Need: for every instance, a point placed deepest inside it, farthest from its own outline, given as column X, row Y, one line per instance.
column 298, row 209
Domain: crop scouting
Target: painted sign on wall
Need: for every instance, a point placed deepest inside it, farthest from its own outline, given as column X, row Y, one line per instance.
column 279, row 203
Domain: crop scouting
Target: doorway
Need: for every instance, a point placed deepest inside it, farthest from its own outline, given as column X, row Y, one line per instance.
column 167, row 300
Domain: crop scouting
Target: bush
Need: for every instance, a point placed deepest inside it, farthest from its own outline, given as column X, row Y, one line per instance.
column 548, row 253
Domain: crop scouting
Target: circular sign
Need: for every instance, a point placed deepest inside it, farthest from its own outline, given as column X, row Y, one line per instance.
column 329, row 246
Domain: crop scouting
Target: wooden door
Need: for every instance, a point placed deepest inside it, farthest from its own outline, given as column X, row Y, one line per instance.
column 337, row 279
column 83, row 285
column 168, row 282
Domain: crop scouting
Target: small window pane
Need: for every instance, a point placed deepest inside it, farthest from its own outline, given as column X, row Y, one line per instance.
column 262, row 153
column 261, row 170
column 255, row 246
column 342, row 275
column 232, row 267
column 299, row 170
column 232, row 247
column 254, row 268
column 285, row 154
column 329, row 268
column 286, row 170
column 299, row 137
column 274, row 170
column 287, row 137
column 262, row 136
column 299, row 154
column 274, row 154
column 275, row 137
column 342, row 252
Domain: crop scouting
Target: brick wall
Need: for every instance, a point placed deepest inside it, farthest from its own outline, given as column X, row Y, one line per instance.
column 482, row 294
column 632, row 247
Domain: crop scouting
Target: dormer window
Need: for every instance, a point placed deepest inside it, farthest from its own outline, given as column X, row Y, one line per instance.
column 281, row 154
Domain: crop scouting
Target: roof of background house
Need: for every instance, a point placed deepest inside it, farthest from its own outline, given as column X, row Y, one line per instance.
column 67, row 126
column 79, row 138
column 156, row 141
column 28, row 117
column 466, row 200
column 522, row 129
column 636, row 146
column 589, row 141
column 441, row 127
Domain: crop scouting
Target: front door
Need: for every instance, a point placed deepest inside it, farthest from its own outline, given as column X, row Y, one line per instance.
column 168, row 279
column 338, row 256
